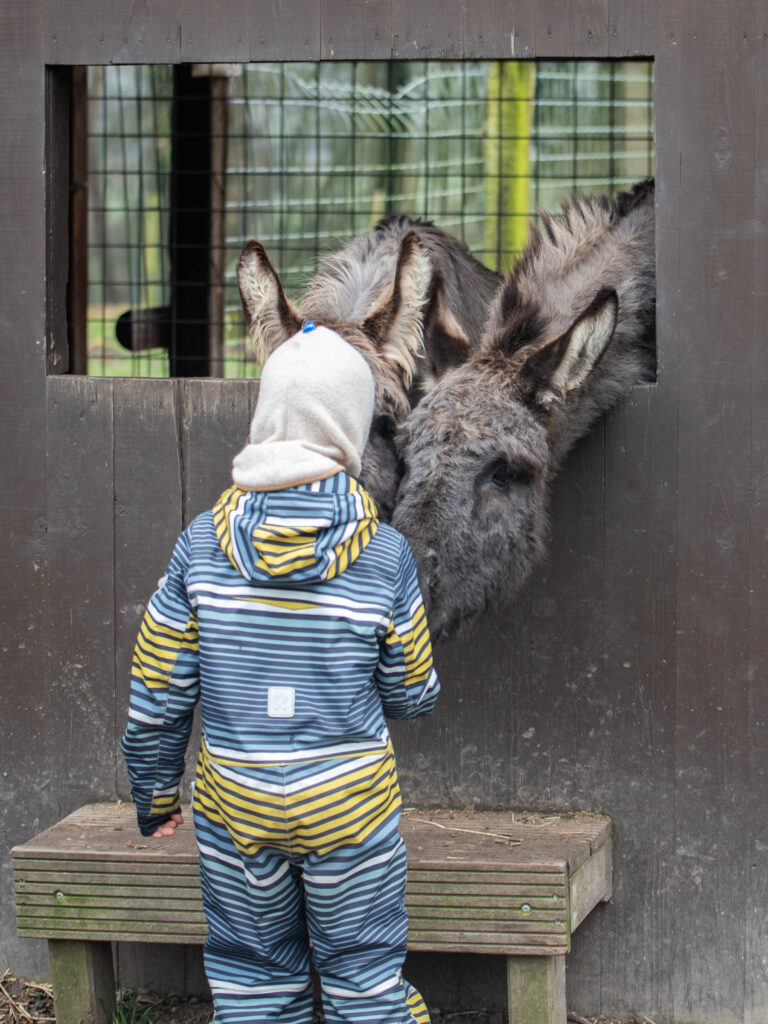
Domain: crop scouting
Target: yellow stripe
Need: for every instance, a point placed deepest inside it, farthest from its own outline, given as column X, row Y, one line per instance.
column 165, row 804
column 324, row 816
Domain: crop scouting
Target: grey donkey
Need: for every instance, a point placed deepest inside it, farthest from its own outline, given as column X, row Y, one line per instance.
column 407, row 295
column 571, row 331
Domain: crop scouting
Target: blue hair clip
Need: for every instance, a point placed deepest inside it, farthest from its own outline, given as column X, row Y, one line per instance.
column 308, row 326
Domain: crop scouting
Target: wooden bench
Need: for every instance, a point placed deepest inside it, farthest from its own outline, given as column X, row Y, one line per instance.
column 502, row 883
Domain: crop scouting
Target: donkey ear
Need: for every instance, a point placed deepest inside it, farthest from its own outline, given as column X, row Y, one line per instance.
column 271, row 317
column 445, row 342
column 396, row 322
column 563, row 365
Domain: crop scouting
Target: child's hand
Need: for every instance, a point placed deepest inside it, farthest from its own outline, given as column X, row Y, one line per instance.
column 169, row 828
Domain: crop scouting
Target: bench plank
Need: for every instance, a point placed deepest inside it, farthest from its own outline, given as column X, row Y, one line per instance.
column 494, row 883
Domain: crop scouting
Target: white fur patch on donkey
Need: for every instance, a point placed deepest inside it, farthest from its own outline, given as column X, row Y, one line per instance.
column 264, row 301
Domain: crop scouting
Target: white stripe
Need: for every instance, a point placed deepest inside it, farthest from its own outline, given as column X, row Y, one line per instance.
column 430, row 684
column 258, row 883
column 286, row 756
column 346, row 993
column 138, row 716
column 297, row 521
column 166, row 620
column 297, row 787
column 222, row 987
column 334, row 879
column 256, row 600
column 278, row 593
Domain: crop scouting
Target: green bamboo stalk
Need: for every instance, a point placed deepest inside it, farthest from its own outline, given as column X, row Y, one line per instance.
column 509, row 121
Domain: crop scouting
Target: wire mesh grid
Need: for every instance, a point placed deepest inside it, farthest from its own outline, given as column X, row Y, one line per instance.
column 304, row 156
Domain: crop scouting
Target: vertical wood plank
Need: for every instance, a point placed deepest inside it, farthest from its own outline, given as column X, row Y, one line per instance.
column 216, row 415
column 81, row 626
column 80, row 33
column 431, row 29
column 83, row 981
column 716, row 250
column 355, row 30
column 536, row 989
column 216, row 32
column 145, row 32
column 756, row 967
column 497, row 31
column 289, row 30
column 28, row 795
column 147, row 517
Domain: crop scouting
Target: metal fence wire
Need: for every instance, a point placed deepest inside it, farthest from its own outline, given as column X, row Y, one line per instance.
column 186, row 163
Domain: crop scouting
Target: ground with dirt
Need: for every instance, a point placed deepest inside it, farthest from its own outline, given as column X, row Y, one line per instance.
column 26, row 1002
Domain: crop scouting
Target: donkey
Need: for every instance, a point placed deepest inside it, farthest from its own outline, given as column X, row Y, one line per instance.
column 570, row 332
column 407, row 295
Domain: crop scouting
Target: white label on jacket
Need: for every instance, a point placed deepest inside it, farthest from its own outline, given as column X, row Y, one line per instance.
column 280, row 701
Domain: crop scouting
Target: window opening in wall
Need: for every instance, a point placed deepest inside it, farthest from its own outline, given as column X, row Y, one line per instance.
column 185, row 163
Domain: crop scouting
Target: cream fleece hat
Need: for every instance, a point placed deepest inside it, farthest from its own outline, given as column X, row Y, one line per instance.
column 313, row 413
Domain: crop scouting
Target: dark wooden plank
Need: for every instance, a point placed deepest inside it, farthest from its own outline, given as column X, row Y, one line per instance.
column 146, row 32
column 428, row 30
column 81, row 626
column 356, row 29
column 26, row 768
column 495, row 30
column 289, row 30
column 717, row 175
column 215, row 420
column 77, row 33
column 756, row 994
column 147, row 517
column 216, row 32
column 578, row 29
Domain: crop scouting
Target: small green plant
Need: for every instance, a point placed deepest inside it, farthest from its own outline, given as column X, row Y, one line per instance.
column 136, row 1007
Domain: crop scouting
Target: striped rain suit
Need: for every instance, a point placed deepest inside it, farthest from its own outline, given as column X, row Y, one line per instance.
column 296, row 618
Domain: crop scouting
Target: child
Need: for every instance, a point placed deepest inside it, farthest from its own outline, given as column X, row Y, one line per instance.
column 297, row 619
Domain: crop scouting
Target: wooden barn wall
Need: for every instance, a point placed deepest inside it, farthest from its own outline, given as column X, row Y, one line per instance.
column 629, row 677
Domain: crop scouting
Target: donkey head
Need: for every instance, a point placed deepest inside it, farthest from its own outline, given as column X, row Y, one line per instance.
column 388, row 335
column 570, row 331
column 481, row 449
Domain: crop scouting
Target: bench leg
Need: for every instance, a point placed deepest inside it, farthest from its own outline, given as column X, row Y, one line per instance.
column 83, row 981
column 536, row 989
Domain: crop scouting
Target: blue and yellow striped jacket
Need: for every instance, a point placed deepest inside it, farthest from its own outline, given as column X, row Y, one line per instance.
column 296, row 618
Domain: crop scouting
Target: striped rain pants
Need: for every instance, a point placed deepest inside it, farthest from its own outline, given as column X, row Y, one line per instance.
column 263, row 906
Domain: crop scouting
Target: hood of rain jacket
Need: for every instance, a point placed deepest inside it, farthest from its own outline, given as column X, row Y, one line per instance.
column 306, row 533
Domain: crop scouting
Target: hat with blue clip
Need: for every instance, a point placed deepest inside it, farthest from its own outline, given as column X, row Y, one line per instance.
column 313, row 414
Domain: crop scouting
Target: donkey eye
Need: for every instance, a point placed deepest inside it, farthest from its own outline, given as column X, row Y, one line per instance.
column 502, row 476
column 503, row 473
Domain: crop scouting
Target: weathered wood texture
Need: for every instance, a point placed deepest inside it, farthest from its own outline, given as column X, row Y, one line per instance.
column 482, row 883
column 28, row 793
column 630, row 675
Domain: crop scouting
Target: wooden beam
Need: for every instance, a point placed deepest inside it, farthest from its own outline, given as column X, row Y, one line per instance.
column 536, row 989
column 83, row 981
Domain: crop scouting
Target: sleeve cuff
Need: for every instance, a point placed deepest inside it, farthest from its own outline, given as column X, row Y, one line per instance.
column 149, row 822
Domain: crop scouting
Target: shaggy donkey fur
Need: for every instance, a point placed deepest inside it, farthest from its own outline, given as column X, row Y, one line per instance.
column 571, row 331
column 406, row 294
